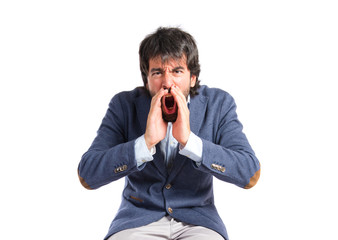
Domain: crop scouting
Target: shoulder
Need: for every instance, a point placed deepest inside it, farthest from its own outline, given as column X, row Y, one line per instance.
column 130, row 96
column 214, row 95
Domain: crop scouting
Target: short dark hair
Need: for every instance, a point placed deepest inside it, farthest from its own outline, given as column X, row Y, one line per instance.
column 170, row 43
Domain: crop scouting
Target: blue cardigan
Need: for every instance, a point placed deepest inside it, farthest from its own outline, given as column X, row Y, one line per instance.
column 186, row 191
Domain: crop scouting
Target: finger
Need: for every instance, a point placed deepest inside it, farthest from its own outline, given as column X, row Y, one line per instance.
column 179, row 97
column 156, row 100
column 181, row 101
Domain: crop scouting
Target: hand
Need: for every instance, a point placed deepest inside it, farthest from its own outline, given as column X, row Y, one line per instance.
column 181, row 127
column 156, row 129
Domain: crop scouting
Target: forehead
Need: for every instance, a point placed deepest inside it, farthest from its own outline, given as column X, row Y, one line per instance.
column 159, row 62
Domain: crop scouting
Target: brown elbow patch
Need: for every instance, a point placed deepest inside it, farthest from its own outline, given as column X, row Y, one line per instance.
column 83, row 182
column 253, row 180
column 137, row 199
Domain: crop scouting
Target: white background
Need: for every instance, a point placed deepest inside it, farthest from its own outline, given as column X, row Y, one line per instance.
column 62, row 61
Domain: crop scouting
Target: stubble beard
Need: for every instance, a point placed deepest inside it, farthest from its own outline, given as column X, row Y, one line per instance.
column 186, row 93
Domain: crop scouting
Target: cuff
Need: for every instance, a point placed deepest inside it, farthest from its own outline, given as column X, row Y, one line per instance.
column 142, row 153
column 193, row 149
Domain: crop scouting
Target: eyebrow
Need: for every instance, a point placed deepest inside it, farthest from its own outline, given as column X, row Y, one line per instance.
column 161, row 69
column 156, row 70
column 178, row 68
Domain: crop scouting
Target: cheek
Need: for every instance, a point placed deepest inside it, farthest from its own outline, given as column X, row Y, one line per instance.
column 183, row 83
column 154, row 86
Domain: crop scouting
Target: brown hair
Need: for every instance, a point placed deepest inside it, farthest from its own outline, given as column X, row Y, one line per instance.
column 170, row 43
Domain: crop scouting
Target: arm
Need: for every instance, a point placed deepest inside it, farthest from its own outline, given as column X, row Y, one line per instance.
column 227, row 154
column 110, row 156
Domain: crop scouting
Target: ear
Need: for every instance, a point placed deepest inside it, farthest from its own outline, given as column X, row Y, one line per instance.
column 192, row 81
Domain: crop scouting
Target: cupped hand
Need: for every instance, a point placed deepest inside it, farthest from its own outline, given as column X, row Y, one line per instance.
column 181, row 127
column 156, row 129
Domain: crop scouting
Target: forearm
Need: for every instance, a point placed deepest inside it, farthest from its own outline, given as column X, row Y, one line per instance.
column 237, row 166
column 99, row 167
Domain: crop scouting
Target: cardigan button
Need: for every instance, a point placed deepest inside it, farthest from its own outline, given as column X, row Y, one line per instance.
column 170, row 210
column 168, row 186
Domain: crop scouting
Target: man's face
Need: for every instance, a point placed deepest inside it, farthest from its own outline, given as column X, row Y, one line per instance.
column 166, row 74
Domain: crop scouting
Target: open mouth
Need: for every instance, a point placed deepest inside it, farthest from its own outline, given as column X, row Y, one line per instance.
column 169, row 108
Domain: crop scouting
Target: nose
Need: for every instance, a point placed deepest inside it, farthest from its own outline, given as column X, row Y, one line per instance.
column 167, row 81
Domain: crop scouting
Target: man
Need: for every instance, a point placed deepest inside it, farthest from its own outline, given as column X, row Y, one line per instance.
column 169, row 166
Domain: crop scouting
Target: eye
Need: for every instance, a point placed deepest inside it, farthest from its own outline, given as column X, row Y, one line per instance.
column 157, row 73
column 177, row 72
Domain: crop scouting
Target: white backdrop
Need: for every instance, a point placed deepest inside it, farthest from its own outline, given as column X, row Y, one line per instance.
column 62, row 61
